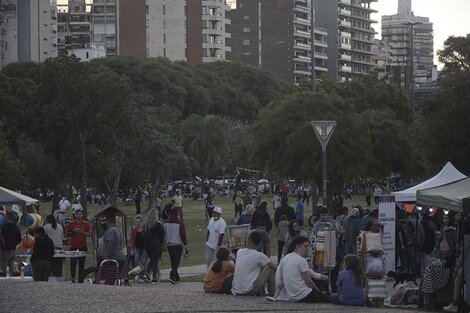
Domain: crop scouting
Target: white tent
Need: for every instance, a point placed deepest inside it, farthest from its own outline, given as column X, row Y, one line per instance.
column 8, row 196
column 447, row 175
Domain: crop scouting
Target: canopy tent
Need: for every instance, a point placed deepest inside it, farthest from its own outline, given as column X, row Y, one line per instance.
column 454, row 196
column 447, row 175
column 8, row 196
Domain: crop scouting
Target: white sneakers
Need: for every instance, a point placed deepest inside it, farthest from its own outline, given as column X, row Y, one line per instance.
column 451, row 308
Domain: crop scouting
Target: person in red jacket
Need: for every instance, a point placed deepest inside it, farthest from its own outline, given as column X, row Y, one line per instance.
column 78, row 230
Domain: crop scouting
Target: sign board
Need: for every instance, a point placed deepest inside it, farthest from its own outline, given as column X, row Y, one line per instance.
column 237, row 236
column 324, row 130
column 387, row 219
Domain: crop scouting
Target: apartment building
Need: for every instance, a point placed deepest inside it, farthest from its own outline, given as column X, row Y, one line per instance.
column 104, row 25
column 349, row 54
column 214, row 34
column 411, row 44
column 27, row 31
column 277, row 37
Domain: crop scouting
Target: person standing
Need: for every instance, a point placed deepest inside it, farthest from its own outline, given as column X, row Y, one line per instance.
column 175, row 236
column 284, row 209
column 56, row 233
column 178, row 198
column 215, row 234
column 78, row 230
column 276, row 201
column 282, row 231
column 153, row 239
column 113, row 241
column 351, row 231
column 262, row 214
column 299, row 211
column 12, row 236
column 64, row 204
column 43, row 253
column 137, row 200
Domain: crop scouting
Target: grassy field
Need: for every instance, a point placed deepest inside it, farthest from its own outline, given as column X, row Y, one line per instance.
column 194, row 216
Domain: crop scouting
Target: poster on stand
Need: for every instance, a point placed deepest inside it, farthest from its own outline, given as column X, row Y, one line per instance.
column 387, row 219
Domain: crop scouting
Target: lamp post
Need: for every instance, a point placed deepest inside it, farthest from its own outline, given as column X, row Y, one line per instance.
column 324, row 130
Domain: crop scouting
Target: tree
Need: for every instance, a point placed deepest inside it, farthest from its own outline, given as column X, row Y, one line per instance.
column 442, row 128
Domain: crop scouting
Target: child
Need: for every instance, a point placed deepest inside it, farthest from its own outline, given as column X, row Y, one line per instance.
column 217, row 279
column 282, row 230
column 350, row 283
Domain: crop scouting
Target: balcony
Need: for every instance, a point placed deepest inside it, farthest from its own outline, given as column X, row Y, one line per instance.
column 301, row 9
column 345, row 46
column 344, row 12
column 348, row 2
column 345, row 57
column 302, row 21
column 302, row 46
column 346, row 69
column 345, row 23
column 302, row 34
column 302, row 59
column 304, row 72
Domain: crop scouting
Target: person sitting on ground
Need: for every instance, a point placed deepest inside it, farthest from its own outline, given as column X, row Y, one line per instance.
column 219, row 275
column 42, row 255
column 294, row 276
column 350, row 283
column 254, row 270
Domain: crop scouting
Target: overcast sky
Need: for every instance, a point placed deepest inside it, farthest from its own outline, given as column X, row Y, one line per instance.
column 451, row 17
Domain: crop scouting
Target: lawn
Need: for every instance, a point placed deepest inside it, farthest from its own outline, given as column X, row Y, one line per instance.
column 195, row 225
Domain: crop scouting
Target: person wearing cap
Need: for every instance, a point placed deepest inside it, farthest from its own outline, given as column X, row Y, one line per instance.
column 113, row 240
column 42, row 255
column 215, row 234
column 78, row 230
column 175, row 237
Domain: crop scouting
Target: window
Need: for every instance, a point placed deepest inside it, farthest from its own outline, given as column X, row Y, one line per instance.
column 147, row 23
column 246, row 42
column 164, row 38
column 246, row 29
column 240, row 5
column 146, row 9
column 246, row 53
column 246, row 17
column 164, row 10
column 87, row 55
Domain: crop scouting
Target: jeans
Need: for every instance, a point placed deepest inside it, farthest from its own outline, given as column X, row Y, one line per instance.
column 80, row 261
column 141, row 258
column 175, row 253
column 265, row 277
column 154, row 251
column 209, row 256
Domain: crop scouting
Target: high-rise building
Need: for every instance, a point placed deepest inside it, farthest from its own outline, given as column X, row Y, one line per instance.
column 73, row 25
column 214, row 34
column 104, row 25
column 27, row 31
column 276, row 36
column 411, row 43
column 349, row 53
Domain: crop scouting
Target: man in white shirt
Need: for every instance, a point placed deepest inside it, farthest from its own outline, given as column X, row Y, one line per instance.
column 277, row 201
column 215, row 234
column 253, row 270
column 294, row 277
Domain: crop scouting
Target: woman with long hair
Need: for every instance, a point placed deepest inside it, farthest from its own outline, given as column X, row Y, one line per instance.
column 56, row 233
column 294, row 231
column 350, row 283
column 153, row 236
column 219, row 278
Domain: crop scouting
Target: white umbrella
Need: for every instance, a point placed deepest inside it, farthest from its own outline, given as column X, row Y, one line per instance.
column 263, row 181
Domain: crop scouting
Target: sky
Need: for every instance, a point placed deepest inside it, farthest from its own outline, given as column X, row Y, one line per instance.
column 451, row 17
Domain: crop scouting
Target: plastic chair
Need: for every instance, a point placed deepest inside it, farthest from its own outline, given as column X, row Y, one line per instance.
column 108, row 273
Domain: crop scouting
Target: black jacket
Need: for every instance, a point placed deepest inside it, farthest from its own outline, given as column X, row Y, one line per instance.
column 43, row 249
column 12, row 236
column 286, row 210
column 261, row 215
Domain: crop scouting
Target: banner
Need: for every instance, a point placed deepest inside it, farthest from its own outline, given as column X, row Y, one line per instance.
column 387, row 219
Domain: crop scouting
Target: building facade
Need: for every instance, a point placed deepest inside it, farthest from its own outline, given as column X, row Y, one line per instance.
column 277, row 37
column 411, row 48
column 27, row 31
column 350, row 53
column 104, row 25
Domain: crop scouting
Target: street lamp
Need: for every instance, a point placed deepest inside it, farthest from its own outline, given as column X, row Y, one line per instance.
column 324, row 130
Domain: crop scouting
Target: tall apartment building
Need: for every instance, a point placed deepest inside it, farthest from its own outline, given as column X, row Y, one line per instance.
column 27, row 31
column 73, row 25
column 104, row 25
column 188, row 30
column 275, row 35
column 411, row 48
column 349, row 54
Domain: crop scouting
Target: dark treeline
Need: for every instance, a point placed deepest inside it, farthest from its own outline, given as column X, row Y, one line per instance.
column 122, row 121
